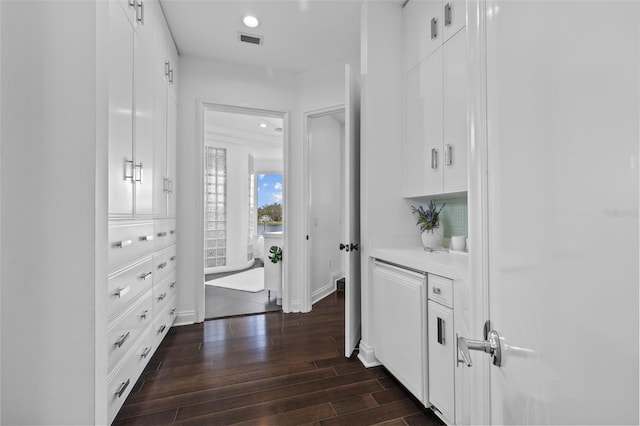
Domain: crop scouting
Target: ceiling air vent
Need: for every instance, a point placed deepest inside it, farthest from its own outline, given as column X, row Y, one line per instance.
column 251, row 39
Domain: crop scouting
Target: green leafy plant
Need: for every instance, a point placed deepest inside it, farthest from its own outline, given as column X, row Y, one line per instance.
column 428, row 219
column 275, row 254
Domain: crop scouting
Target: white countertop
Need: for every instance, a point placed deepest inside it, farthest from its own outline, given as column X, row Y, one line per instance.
column 453, row 266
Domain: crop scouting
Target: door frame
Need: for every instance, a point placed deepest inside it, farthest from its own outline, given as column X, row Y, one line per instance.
column 203, row 106
column 306, row 184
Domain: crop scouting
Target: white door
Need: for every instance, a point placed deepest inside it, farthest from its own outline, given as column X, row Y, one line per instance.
column 562, row 107
column 352, row 211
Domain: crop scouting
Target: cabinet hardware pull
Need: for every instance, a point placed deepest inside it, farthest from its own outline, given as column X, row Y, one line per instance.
column 434, row 158
column 126, row 175
column 140, row 17
column 441, row 325
column 122, row 339
column 172, row 258
column 448, row 155
column 122, row 388
column 447, row 14
column 161, row 329
column 162, row 296
column 166, row 185
column 139, row 167
column 173, row 231
column 144, row 314
column 171, row 76
column 162, row 234
column 122, row 291
column 146, row 237
column 123, row 243
column 436, row 290
column 172, row 285
column 146, row 352
column 173, row 311
column 132, row 3
column 167, row 67
column 434, row 28
column 162, row 265
column 145, row 276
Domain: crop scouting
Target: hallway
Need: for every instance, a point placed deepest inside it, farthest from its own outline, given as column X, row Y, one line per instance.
column 270, row 369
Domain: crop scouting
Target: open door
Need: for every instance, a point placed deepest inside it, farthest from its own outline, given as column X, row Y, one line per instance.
column 352, row 212
column 563, row 194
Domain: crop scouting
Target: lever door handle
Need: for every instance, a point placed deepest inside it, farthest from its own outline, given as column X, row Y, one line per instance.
column 491, row 346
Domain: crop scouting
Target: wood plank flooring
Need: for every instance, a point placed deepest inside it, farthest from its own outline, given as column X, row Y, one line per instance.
column 267, row 369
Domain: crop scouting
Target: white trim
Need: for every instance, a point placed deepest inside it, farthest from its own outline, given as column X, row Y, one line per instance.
column 367, row 355
column 185, row 318
column 307, row 297
column 323, row 292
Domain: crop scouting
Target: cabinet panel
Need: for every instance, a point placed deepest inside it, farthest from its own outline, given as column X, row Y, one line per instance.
column 172, row 137
column 160, row 184
column 120, row 113
column 441, row 359
column 419, row 39
column 414, row 148
column 455, row 114
column 454, row 18
column 431, row 84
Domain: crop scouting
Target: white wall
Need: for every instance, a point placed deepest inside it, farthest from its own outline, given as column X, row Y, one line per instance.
column 51, row 272
column 384, row 213
column 221, row 83
column 326, row 181
column 262, row 165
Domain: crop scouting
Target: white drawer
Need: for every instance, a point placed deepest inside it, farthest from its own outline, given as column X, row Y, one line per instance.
column 125, row 285
column 124, row 377
column 165, row 232
column 164, row 262
column 128, row 239
column 440, row 290
column 126, row 330
column 163, row 292
column 163, row 322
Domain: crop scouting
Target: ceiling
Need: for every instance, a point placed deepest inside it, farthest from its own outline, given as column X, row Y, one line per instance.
column 299, row 35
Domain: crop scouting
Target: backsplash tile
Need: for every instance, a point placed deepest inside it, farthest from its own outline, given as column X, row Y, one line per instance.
column 454, row 216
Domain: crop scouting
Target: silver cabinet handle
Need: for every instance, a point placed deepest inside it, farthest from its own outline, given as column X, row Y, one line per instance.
column 122, row 291
column 166, row 185
column 434, row 28
column 126, row 175
column 144, row 314
column 122, row 388
column 173, row 311
column 173, row 231
column 448, row 155
column 146, row 352
column 436, row 290
column 172, row 285
column 172, row 258
column 162, row 265
column 122, row 339
column 161, row 329
column 167, row 67
column 162, row 234
column 441, row 331
column 434, row 158
column 162, row 296
column 141, row 168
column 123, row 243
column 447, row 14
column 171, row 76
column 140, row 12
column 132, row 3
column 146, row 238
column 145, row 276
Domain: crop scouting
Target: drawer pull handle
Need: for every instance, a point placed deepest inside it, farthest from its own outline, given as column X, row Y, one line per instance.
column 162, row 234
column 447, row 14
column 121, row 292
column 122, row 388
column 172, row 285
column 145, row 276
column 144, row 314
column 173, row 231
column 146, row 352
column 162, row 296
column 173, row 258
column 436, row 290
column 146, row 238
column 122, row 339
column 173, row 311
column 161, row 329
column 441, row 325
column 162, row 265
column 123, row 243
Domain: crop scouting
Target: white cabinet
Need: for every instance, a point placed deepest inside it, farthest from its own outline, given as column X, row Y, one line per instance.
column 442, row 344
column 401, row 325
column 435, row 124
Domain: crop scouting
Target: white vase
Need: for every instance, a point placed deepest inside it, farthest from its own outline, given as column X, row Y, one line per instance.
column 433, row 238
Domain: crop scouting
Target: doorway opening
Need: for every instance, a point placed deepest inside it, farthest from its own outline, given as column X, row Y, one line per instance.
column 239, row 144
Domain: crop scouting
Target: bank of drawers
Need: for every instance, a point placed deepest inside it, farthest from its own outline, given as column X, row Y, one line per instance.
column 125, row 330
column 126, row 284
column 164, row 233
column 128, row 239
column 164, row 262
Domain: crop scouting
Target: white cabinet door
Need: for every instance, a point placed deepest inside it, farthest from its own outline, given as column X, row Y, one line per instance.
column 120, row 113
column 172, row 138
column 160, row 185
column 455, row 114
column 441, row 359
column 418, row 40
column 454, row 16
column 401, row 325
column 144, row 116
column 414, row 148
column 431, row 84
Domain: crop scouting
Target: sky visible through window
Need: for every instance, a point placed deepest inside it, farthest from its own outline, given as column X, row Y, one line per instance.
column 269, row 189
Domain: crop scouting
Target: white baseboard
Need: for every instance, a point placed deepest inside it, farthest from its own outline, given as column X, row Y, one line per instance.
column 323, row 292
column 185, row 318
column 367, row 355
column 294, row 306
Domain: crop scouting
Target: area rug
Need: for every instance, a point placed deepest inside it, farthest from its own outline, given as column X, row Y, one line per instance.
column 251, row 280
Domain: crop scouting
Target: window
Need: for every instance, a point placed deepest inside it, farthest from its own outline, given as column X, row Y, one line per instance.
column 215, row 207
column 269, row 202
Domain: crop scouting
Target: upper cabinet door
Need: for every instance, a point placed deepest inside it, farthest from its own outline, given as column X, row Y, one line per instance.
column 421, row 31
column 454, row 16
column 431, row 84
column 455, row 114
column 172, row 138
column 120, row 113
column 160, row 183
column 414, row 148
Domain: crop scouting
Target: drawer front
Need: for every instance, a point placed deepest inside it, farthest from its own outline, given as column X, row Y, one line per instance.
column 164, row 233
column 440, row 290
column 163, row 322
column 124, row 377
column 127, row 329
column 164, row 292
column 164, row 262
column 128, row 240
column 125, row 285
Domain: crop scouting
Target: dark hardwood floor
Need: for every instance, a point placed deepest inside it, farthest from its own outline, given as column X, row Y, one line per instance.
column 267, row 369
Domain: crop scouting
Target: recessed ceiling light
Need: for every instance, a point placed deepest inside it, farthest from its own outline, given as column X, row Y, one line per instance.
column 263, row 125
column 250, row 21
